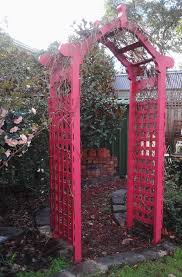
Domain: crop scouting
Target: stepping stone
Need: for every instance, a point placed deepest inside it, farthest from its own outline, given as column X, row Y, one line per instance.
column 119, row 196
column 120, row 218
column 45, row 230
column 118, row 208
column 42, row 220
column 3, row 238
column 42, row 217
column 64, row 273
column 9, row 232
column 88, row 268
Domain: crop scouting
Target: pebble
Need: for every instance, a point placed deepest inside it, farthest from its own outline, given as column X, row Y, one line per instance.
column 126, row 241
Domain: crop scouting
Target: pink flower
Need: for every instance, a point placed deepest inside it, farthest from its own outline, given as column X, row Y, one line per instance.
column 33, row 111
column 23, row 139
column 3, row 112
column 18, row 120
column 11, row 142
column 14, row 129
column 1, row 132
column 8, row 153
column 30, row 137
column 34, row 129
column 1, row 122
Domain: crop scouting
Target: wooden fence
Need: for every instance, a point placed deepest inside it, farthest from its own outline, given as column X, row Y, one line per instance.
column 174, row 106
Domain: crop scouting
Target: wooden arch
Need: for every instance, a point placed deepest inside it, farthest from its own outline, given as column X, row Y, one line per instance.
column 146, row 69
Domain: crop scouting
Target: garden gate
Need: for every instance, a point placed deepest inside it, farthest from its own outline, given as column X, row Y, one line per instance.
column 146, row 69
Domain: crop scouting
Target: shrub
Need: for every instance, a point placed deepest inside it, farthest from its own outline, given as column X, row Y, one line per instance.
column 23, row 116
column 173, row 197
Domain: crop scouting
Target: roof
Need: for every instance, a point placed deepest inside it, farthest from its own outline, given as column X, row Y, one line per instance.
column 24, row 46
column 174, row 81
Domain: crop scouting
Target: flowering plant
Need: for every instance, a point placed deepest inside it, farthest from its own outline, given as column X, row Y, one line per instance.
column 16, row 132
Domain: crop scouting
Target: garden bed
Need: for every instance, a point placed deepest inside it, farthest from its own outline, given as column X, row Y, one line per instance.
column 101, row 234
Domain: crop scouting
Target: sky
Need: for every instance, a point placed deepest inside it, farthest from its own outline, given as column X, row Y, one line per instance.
column 37, row 23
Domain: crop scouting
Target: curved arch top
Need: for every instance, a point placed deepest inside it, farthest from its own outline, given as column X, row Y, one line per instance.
column 101, row 35
column 146, row 143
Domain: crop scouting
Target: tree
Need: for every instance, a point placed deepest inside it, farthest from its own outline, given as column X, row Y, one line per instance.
column 158, row 18
column 100, row 113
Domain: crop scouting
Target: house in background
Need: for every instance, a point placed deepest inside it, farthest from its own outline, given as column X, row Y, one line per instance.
column 174, row 101
column 173, row 115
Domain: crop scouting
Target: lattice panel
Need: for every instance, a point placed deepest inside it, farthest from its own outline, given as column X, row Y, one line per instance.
column 146, row 69
column 61, row 196
column 145, row 125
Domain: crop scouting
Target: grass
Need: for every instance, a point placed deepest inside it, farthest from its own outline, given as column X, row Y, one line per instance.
column 161, row 268
column 56, row 266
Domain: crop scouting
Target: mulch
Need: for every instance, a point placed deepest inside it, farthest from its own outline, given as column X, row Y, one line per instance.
column 101, row 234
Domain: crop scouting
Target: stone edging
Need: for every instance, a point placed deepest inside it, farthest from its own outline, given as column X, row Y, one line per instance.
column 104, row 264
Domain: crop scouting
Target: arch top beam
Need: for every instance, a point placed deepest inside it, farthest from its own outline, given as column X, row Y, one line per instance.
column 80, row 49
column 100, row 35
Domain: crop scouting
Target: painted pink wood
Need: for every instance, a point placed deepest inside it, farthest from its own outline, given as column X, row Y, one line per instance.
column 76, row 158
column 160, row 151
column 146, row 126
column 131, row 144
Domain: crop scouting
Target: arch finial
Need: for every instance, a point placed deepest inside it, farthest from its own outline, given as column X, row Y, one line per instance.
column 122, row 11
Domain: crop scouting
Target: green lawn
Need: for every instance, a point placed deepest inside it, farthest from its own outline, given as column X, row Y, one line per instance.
column 161, row 268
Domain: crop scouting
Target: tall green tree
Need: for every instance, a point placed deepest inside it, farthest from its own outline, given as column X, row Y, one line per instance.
column 100, row 113
column 159, row 18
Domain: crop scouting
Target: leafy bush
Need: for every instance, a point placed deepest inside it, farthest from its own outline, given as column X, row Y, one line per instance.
column 23, row 115
column 16, row 132
column 31, row 170
column 100, row 113
column 173, row 197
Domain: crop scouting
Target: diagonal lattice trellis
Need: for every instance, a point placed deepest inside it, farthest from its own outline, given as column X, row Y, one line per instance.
column 146, row 70
column 146, row 152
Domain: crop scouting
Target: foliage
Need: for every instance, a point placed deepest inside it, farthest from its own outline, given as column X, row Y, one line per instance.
column 22, row 86
column 179, row 28
column 167, row 266
column 31, row 170
column 23, row 116
column 173, row 197
column 158, row 18
column 16, row 132
column 22, row 78
column 57, row 265
column 100, row 114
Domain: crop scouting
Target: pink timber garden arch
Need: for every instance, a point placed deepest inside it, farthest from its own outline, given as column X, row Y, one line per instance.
column 146, row 69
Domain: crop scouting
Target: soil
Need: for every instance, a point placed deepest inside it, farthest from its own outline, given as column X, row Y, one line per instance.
column 101, row 234
column 33, row 251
